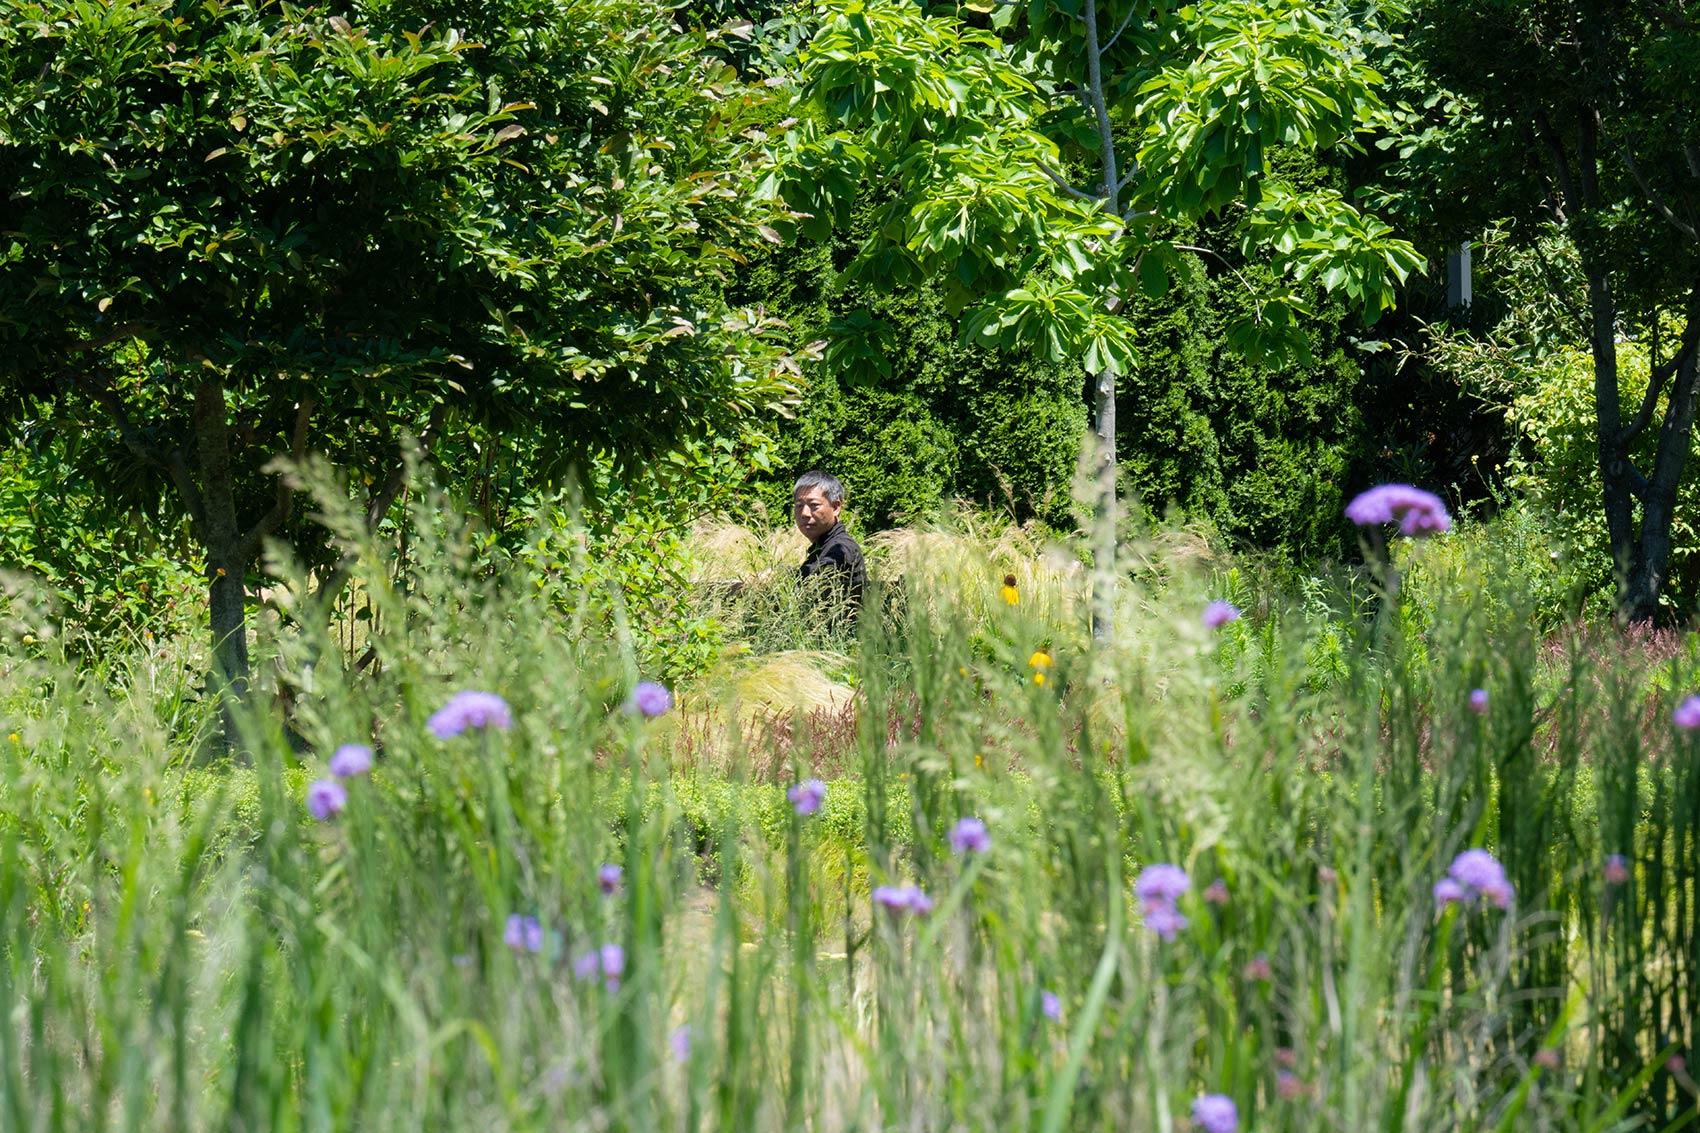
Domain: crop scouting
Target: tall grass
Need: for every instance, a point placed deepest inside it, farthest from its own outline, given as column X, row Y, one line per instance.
column 185, row 947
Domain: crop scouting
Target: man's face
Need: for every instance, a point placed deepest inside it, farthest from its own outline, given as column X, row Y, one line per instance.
column 813, row 513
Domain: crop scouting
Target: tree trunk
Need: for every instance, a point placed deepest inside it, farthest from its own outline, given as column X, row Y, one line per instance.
column 1658, row 502
column 1104, row 530
column 1616, row 472
column 227, row 553
column 1640, row 555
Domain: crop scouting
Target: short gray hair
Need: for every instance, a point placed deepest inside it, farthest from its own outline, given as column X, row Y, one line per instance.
column 827, row 483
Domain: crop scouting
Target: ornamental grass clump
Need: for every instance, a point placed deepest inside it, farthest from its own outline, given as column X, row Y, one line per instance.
column 183, row 945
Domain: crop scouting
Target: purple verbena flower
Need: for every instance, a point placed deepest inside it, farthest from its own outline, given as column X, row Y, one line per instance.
column 1289, row 1085
column 470, row 709
column 898, row 899
column 1163, row 919
column 1219, row 613
column 350, row 760
column 1216, row 892
column 650, row 699
column 1687, row 714
column 1257, row 968
column 1448, row 892
column 1215, row 1113
column 608, row 879
column 1480, row 873
column 523, row 934
column 680, row 1040
column 806, row 797
column 1479, row 701
column 609, row 962
column 1050, row 1004
column 1616, row 869
column 325, row 799
column 1415, row 511
column 969, row 836
column 1161, row 883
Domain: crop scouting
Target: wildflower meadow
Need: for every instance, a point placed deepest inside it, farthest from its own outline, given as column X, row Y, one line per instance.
column 1339, row 857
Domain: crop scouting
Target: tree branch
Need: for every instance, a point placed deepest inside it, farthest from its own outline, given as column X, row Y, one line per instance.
column 1257, row 302
column 1111, row 42
column 1561, row 160
column 171, row 461
column 278, row 513
column 100, row 342
column 1662, row 372
column 1654, row 198
column 1061, row 182
column 376, row 508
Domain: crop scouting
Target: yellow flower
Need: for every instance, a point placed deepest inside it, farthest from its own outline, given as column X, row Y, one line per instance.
column 1011, row 596
column 14, row 737
column 1039, row 662
column 979, row 760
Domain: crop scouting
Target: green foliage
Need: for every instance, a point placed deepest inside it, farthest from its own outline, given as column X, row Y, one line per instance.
column 971, row 132
column 1259, row 449
column 184, row 946
column 238, row 232
column 907, row 415
column 110, row 575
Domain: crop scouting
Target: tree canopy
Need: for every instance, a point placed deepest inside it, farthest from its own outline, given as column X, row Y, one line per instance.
column 1041, row 166
column 1570, row 117
column 239, row 231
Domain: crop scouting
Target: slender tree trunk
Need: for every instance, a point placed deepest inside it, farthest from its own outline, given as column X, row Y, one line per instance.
column 227, row 565
column 1658, row 505
column 1104, row 530
column 1616, row 472
column 1104, row 548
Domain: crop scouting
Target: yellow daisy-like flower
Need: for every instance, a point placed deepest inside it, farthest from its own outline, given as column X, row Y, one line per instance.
column 1039, row 662
column 979, row 760
column 1011, row 596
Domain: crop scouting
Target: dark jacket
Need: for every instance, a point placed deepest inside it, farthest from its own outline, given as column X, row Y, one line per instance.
column 837, row 554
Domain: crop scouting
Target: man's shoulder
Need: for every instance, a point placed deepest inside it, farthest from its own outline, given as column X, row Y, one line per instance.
column 840, row 546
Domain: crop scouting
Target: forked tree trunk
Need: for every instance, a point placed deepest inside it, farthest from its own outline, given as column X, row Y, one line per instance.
column 1641, row 552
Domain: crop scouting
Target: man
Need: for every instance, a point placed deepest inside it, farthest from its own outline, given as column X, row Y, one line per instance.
column 816, row 500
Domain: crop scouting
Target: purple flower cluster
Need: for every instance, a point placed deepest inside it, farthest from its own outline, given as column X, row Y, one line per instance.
column 1415, row 511
column 1219, row 613
column 470, row 709
column 969, row 836
column 1616, row 870
column 1216, row 1113
column 350, row 760
column 608, row 879
column 1474, row 873
column 609, row 962
column 902, row 899
column 806, row 797
column 1158, row 887
column 1479, row 701
column 1687, row 714
column 523, row 934
column 1050, row 1004
column 325, row 799
column 650, row 699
